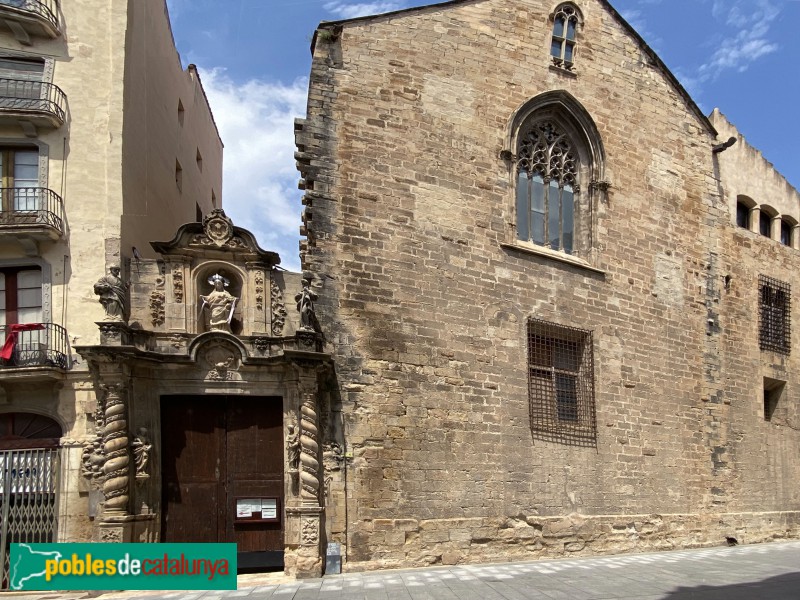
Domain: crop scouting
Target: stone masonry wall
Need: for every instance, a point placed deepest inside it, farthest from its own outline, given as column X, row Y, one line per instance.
column 410, row 214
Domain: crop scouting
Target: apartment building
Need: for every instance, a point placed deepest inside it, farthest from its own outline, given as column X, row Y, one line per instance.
column 106, row 143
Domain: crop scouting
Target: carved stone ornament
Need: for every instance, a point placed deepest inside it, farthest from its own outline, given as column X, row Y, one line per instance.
column 141, row 447
column 278, row 307
column 157, row 303
column 310, row 532
column 177, row 284
column 113, row 294
column 261, row 344
column 259, row 280
column 222, row 364
column 217, row 232
column 92, row 460
column 305, row 306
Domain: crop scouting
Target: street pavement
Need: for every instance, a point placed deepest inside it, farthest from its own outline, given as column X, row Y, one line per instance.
column 758, row 572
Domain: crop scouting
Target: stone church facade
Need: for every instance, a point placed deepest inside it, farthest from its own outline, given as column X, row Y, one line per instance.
column 557, row 295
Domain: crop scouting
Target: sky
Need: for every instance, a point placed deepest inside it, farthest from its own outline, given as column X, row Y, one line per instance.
column 742, row 56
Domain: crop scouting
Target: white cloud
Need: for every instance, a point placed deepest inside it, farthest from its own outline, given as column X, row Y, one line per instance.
column 346, row 10
column 256, row 123
column 750, row 40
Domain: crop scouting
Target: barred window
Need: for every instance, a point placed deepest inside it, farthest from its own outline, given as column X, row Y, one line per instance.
column 561, row 383
column 774, row 315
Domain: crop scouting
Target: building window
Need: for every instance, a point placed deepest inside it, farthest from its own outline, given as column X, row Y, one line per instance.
column 20, row 295
column 774, row 315
column 20, row 179
column 565, row 26
column 786, row 232
column 742, row 215
column 547, row 172
column 561, row 382
column 773, row 393
column 764, row 223
column 199, row 160
column 181, row 112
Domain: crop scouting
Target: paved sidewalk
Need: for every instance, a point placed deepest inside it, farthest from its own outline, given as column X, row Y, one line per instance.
column 758, row 572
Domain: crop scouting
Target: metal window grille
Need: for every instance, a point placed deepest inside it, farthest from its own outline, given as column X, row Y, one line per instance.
column 28, row 499
column 774, row 315
column 561, row 383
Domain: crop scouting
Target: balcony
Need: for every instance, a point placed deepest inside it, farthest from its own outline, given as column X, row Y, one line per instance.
column 31, row 18
column 33, row 348
column 31, row 213
column 32, row 103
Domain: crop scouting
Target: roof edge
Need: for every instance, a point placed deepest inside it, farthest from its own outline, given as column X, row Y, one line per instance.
column 644, row 45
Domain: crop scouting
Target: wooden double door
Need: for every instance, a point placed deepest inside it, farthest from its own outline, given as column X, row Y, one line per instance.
column 222, row 461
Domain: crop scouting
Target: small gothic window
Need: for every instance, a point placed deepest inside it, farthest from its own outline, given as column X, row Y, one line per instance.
column 562, row 46
column 774, row 312
column 547, row 182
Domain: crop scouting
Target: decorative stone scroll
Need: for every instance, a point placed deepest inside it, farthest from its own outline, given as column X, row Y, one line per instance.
column 116, row 468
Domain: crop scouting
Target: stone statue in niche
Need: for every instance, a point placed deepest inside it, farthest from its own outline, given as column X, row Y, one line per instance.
column 141, row 447
column 305, row 304
column 219, row 303
column 113, row 294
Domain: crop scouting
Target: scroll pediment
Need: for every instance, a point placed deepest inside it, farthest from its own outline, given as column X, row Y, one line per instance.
column 216, row 233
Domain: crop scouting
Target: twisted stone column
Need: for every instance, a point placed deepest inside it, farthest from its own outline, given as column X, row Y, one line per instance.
column 309, row 444
column 116, row 468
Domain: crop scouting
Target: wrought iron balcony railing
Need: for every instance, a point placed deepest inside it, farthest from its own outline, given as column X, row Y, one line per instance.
column 34, row 345
column 31, row 207
column 37, row 97
column 45, row 10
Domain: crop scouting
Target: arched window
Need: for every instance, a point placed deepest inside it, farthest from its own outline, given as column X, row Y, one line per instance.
column 765, row 220
column 547, row 181
column 742, row 214
column 565, row 27
column 557, row 158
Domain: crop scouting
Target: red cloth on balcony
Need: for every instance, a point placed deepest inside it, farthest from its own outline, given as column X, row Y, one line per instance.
column 11, row 337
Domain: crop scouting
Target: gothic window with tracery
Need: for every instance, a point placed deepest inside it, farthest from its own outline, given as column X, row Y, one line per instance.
column 547, row 183
column 565, row 26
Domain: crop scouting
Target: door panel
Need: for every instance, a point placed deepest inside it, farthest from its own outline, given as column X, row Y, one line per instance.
column 193, row 471
column 255, row 467
column 217, row 449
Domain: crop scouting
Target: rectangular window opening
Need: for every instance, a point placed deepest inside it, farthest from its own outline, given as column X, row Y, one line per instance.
column 774, row 315
column 774, row 390
column 561, row 383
